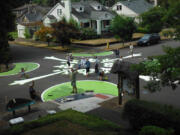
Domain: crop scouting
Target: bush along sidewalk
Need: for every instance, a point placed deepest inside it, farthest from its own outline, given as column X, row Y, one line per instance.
column 141, row 113
column 88, row 121
column 154, row 130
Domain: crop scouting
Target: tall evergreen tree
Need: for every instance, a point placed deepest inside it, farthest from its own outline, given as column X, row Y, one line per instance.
column 7, row 24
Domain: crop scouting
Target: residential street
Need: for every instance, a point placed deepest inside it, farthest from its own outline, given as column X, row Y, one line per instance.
column 37, row 55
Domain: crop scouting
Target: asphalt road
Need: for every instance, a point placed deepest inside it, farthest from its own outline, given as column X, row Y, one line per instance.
column 31, row 54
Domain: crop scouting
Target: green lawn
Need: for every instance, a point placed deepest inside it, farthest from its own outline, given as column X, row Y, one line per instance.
column 28, row 66
column 92, row 54
column 65, row 89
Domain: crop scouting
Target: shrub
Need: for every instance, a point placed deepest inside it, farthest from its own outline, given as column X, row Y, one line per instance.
column 88, row 33
column 27, row 33
column 168, row 33
column 153, row 130
column 142, row 113
column 91, row 122
column 142, row 30
column 43, row 32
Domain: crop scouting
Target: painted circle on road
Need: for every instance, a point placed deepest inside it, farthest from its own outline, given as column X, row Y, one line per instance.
column 28, row 66
column 64, row 89
column 92, row 54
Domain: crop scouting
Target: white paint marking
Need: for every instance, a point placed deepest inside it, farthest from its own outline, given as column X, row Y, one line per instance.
column 22, row 82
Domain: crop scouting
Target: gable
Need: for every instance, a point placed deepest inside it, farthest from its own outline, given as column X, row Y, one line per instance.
column 55, row 10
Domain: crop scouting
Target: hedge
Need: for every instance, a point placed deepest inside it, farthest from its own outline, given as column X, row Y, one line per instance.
column 153, row 130
column 141, row 113
column 88, row 121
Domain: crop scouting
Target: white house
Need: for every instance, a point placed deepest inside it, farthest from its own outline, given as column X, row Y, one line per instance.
column 87, row 13
column 132, row 8
column 29, row 16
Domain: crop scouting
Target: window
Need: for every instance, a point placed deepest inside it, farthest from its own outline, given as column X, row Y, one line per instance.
column 119, row 7
column 106, row 15
column 59, row 12
column 80, row 8
column 99, row 7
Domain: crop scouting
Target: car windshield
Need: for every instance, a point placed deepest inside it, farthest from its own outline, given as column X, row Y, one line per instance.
column 145, row 37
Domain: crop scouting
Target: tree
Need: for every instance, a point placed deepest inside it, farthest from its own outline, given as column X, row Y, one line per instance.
column 172, row 18
column 165, row 67
column 64, row 31
column 152, row 20
column 123, row 27
column 43, row 32
column 7, row 24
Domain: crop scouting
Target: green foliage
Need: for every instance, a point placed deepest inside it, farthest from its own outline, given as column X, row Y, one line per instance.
column 168, row 33
column 88, row 33
column 123, row 27
column 27, row 33
column 152, row 20
column 153, row 130
column 64, row 31
column 13, row 34
column 46, row 2
column 91, row 122
column 164, row 67
column 172, row 18
column 143, row 113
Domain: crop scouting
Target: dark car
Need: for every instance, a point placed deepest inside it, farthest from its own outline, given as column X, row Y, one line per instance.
column 149, row 39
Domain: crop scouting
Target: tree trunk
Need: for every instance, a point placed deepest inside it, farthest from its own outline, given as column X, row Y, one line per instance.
column 120, row 88
column 137, row 88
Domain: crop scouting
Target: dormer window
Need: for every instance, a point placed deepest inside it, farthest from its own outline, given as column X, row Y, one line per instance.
column 80, row 8
column 99, row 7
column 119, row 7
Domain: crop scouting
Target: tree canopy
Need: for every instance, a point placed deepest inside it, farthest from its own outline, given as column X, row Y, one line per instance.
column 64, row 31
column 123, row 27
column 165, row 67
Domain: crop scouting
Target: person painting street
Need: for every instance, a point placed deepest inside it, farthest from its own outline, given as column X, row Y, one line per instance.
column 88, row 65
column 73, row 80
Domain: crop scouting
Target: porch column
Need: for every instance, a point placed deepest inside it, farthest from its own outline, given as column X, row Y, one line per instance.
column 99, row 27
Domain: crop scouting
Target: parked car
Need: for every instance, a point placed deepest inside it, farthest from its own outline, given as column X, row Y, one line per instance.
column 149, row 39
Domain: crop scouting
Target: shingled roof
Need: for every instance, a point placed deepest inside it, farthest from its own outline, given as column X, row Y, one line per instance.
column 89, row 12
column 32, row 12
column 138, row 6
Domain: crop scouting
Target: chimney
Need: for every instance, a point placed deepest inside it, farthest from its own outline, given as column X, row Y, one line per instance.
column 67, row 4
column 155, row 3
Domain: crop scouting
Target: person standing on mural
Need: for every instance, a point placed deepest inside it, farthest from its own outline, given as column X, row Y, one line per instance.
column 68, row 60
column 131, row 47
column 73, row 80
column 96, row 65
column 117, row 53
column 32, row 91
column 88, row 65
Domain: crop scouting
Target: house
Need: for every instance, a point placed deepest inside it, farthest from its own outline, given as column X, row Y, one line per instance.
column 87, row 14
column 132, row 8
column 29, row 16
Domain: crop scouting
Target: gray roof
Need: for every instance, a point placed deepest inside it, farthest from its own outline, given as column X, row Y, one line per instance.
column 138, row 6
column 33, row 13
column 89, row 11
column 51, row 16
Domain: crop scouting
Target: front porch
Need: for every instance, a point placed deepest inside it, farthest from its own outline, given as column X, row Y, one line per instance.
column 97, row 25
